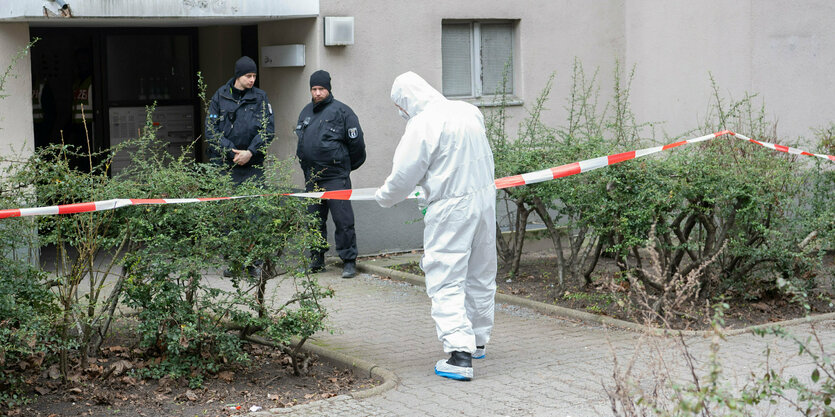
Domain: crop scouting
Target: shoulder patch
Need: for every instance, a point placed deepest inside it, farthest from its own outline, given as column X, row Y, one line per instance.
column 353, row 133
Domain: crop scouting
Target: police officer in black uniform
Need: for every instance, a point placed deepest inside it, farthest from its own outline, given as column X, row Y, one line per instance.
column 330, row 146
column 240, row 124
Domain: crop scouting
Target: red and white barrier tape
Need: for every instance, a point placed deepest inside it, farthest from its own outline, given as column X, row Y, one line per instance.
column 365, row 194
column 780, row 148
column 356, row 194
column 603, row 161
column 106, row 205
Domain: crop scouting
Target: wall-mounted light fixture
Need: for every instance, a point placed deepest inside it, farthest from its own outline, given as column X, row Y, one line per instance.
column 339, row 30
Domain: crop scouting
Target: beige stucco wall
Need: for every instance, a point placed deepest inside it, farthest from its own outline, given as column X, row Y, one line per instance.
column 792, row 57
column 16, row 130
column 218, row 49
column 394, row 37
column 287, row 87
column 780, row 49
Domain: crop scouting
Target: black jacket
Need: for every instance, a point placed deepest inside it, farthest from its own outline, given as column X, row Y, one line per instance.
column 331, row 143
column 247, row 123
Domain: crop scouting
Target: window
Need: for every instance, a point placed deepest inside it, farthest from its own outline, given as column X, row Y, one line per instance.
column 475, row 56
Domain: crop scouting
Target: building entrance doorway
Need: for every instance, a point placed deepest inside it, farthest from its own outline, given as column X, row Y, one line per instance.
column 91, row 87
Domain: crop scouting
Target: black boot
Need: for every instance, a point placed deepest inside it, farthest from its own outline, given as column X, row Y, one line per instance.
column 459, row 366
column 349, row 269
column 317, row 262
column 459, row 358
column 255, row 271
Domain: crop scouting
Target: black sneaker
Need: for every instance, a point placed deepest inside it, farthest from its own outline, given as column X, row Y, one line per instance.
column 349, row 269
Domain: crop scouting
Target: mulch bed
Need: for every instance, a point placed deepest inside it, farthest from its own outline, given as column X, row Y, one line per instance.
column 537, row 281
column 268, row 383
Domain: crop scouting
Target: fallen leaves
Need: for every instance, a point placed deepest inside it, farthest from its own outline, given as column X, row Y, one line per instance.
column 761, row 306
column 53, row 372
column 120, row 351
column 128, row 380
column 118, row 368
column 94, row 370
column 227, row 376
column 191, row 396
column 108, row 382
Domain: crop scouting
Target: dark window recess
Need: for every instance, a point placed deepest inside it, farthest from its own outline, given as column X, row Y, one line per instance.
column 145, row 68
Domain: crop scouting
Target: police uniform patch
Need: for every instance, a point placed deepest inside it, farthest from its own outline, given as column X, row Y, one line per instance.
column 353, row 133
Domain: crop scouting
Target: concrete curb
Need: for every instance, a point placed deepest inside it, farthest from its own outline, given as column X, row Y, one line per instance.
column 359, row 366
column 593, row 318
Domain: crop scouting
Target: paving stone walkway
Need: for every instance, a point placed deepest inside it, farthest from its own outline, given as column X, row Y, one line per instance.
column 536, row 365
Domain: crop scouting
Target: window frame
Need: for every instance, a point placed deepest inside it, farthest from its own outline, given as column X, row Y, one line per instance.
column 476, row 80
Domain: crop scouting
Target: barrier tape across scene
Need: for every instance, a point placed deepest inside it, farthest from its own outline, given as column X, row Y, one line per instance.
column 365, row 194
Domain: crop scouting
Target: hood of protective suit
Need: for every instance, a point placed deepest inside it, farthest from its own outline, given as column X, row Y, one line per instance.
column 413, row 93
column 444, row 148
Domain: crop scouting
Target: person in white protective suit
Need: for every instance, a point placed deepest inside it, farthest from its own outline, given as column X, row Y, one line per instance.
column 445, row 151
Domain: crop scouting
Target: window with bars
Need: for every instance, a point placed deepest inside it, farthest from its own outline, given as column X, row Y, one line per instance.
column 475, row 56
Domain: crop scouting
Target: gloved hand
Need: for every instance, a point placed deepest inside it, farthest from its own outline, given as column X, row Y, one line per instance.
column 420, row 196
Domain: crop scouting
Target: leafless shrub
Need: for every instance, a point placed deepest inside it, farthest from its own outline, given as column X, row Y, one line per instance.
column 658, row 298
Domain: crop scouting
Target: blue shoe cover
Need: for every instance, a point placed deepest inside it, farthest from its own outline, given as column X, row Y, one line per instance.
column 459, row 373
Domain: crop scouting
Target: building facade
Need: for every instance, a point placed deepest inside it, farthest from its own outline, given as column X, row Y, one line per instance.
column 150, row 50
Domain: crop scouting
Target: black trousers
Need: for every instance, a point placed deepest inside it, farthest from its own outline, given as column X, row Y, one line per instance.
column 241, row 174
column 343, row 217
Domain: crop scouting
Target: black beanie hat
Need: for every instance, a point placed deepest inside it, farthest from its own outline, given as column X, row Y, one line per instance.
column 244, row 65
column 322, row 79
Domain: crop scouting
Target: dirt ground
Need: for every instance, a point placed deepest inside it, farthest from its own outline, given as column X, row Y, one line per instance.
column 536, row 281
column 268, row 383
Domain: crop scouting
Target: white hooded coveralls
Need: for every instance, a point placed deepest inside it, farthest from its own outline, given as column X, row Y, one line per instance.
column 445, row 150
